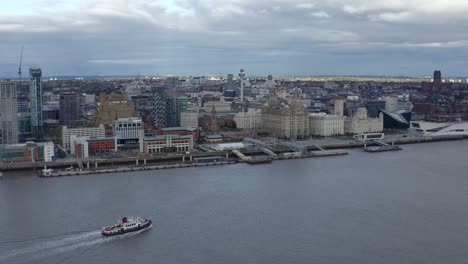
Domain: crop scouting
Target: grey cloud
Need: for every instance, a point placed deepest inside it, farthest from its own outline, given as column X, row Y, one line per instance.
column 212, row 36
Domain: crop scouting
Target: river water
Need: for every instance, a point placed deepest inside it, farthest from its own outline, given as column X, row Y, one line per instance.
column 396, row 207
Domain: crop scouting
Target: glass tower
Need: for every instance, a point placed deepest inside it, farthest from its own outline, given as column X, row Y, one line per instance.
column 35, row 97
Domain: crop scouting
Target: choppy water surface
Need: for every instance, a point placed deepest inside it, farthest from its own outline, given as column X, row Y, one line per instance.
column 397, row 207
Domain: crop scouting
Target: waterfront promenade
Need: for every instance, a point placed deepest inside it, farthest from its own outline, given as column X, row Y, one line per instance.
column 316, row 147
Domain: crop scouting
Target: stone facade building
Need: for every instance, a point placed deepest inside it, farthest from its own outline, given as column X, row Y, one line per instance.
column 288, row 121
column 324, row 125
column 250, row 120
column 361, row 123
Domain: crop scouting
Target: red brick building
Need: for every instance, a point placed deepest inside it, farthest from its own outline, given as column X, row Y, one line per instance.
column 101, row 145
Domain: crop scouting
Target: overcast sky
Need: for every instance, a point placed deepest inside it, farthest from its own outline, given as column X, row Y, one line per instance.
column 195, row 37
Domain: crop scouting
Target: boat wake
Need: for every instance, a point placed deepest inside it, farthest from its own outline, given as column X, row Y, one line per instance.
column 33, row 251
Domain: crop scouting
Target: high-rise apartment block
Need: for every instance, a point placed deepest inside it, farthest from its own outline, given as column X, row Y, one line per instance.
column 8, row 113
column 166, row 110
column 35, row 98
column 69, row 108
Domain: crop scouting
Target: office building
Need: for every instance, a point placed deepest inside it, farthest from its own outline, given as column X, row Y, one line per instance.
column 27, row 152
column 69, row 108
column 360, row 123
column 167, row 143
column 35, row 98
column 98, row 131
column 374, row 107
column 324, row 125
column 111, row 107
column 288, row 121
column 250, row 120
column 338, row 108
column 83, row 147
column 128, row 130
column 8, row 113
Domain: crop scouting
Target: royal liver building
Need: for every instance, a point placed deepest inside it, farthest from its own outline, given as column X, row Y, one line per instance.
column 286, row 120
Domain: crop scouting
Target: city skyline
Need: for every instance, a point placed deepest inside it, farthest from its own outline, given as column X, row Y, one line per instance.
column 354, row 37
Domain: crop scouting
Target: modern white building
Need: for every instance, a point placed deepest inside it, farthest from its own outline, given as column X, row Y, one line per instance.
column 250, row 120
column 81, row 132
column 325, row 125
column 48, row 150
column 128, row 130
column 82, row 142
column 439, row 129
column 9, row 126
column 360, row 123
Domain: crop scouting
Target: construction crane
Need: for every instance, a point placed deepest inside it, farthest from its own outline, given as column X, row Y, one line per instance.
column 19, row 69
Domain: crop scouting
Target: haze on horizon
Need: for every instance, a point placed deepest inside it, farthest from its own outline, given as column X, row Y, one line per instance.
column 279, row 37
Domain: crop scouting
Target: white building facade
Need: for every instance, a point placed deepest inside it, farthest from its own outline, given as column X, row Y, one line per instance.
column 128, row 129
column 48, row 149
column 324, row 125
column 81, row 132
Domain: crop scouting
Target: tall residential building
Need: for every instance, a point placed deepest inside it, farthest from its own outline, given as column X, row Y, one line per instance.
column 241, row 79
column 35, row 98
column 8, row 113
column 165, row 109
column 69, row 108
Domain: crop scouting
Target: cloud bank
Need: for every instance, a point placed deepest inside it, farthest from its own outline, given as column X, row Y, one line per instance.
column 280, row 37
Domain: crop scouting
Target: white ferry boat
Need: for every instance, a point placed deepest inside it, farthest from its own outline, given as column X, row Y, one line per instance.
column 127, row 225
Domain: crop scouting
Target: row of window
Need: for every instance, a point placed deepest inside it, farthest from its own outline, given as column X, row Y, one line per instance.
column 131, row 125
